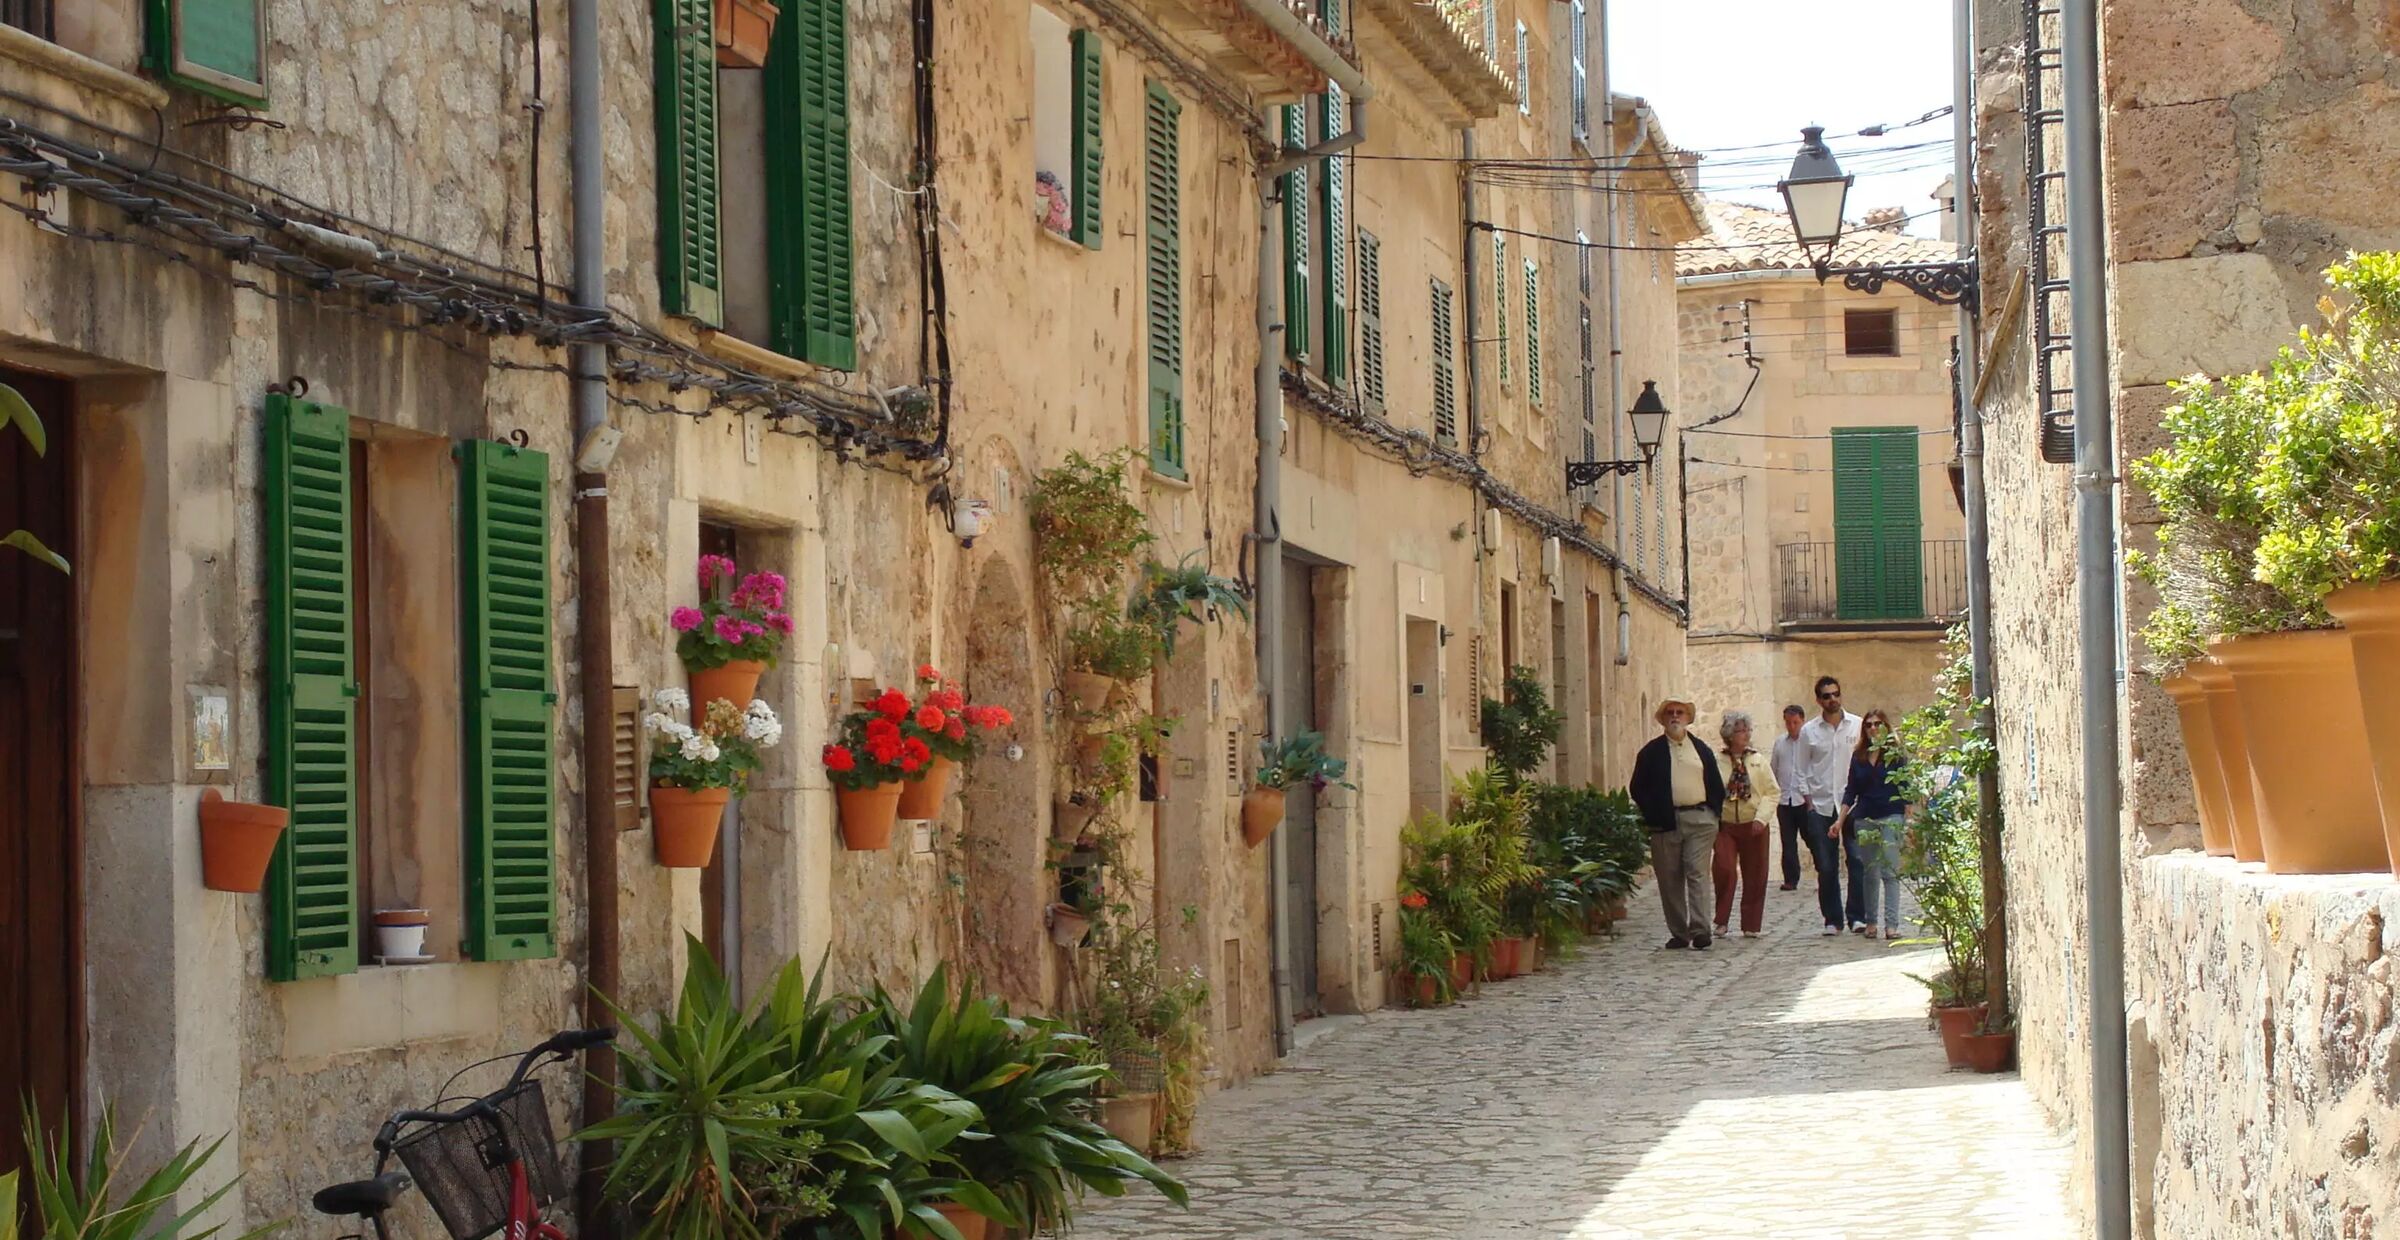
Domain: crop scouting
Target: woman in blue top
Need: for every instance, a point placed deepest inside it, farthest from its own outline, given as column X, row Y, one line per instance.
column 1876, row 803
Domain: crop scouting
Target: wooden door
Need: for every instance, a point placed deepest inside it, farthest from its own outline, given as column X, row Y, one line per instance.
column 40, row 997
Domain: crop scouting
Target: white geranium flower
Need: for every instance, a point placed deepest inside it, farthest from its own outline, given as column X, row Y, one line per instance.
column 709, row 751
column 695, row 748
column 760, row 710
column 672, row 699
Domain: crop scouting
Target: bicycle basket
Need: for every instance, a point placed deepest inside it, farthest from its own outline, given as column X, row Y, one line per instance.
column 462, row 1168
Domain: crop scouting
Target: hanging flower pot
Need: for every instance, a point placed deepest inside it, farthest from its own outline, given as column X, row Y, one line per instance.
column 1262, row 812
column 736, row 682
column 1068, row 925
column 2308, row 745
column 1068, row 818
column 1989, row 1052
column 400, row 935
column 922, row 798
column 2208, row 769
column 1955, row 1024
column 237, row 839
column 1091, row 757
column 2370, row 617
column 744, row 29
column 685, row 822
column 1089, row 691
column 969, row 1224
column 2233, row 756
column 868, row 815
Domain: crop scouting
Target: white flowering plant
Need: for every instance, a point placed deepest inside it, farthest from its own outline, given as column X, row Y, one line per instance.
column 720, row 752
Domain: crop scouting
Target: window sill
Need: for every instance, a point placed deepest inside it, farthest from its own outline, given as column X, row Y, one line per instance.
column 41, row 54
column 1169, row 481
column 1043, row 230
column 1844, row 361
column 741, row 352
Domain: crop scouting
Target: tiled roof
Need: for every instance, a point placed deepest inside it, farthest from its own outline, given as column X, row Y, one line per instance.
column 1745, row 238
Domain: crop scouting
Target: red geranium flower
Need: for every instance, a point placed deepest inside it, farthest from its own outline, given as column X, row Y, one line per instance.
column 883, row 750
column 997, row 717
column 882, row 729
column 839, row 758
column 957, row 730
column 1414, row 899
column 931, row 718
column 925, row 671
column 949, row 699
column 892, row 705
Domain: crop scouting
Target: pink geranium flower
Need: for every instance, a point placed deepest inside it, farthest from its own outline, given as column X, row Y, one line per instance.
column 729, row 630
column 686, row 619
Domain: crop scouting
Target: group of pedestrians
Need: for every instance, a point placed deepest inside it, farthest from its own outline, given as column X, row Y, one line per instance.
column 1834, row 781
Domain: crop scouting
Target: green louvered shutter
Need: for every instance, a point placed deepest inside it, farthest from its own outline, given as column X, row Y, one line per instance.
column 1878, row 573
column 689, row 280
column 1337, row 243
column 1297, row 304
column 1163, row 233
column 1899, row 524
column 1370, row 320
column 1090, row 109
column 216, row 47
column 1445, row 368
column 311, row 695
column 1500, row 307
column 809, row 252
column 504, row 547
column 1533, row 334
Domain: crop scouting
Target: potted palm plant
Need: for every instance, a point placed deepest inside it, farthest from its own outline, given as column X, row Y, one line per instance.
column 696, row 769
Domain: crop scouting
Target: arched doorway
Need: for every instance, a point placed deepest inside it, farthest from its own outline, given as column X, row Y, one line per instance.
column 1006, row 823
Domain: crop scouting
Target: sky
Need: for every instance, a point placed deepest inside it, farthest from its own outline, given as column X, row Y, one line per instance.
column 1741, row 73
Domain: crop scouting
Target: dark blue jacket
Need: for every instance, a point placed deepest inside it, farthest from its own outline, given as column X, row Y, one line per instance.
column 1875, row 790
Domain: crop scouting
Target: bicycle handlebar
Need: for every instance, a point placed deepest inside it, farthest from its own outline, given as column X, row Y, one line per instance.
column 562, row 1044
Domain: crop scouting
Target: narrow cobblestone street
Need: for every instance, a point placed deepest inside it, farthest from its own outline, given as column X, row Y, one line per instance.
column 1780, row 1087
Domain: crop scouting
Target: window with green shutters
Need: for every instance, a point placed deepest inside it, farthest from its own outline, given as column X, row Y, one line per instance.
column 216, row 47
column 504, row 537
column 808, row 186
column 1877, row 524
column 311, row 694
column 1336, row 349
column 1162, row 211
column 1533, row 332
column 689, row 276
column 1445, row 367
column 1370, row 320
column 1501, row 312
column 1298, row 305
column 1090, row 110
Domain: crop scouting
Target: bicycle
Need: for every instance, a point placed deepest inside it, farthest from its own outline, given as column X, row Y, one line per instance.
column 489, row 1166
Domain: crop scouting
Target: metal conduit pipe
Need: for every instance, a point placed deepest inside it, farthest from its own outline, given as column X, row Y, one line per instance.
column 2096, row 594
column 1616, row 333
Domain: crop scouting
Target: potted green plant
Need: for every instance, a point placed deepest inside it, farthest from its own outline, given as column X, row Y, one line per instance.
column 868, row 763
column 1295, row 761
column 734, row 635
column 1428, row 951
column 1087, row 535
column 1135, row 1005
column 90, row 1194
column 1186, row 593
column 952, row 729
column 695, row 770
column 1520, row 727
column 1941, row 856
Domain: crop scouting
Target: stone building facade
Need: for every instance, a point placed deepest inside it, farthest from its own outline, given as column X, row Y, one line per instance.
column 1825, row 537
column 2239, row 139
column 812, row 357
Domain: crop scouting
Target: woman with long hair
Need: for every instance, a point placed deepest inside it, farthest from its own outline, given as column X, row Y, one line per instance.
column 1875, row 809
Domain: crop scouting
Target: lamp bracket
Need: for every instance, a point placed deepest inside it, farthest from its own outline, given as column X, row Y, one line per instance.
column 1943, row 284
column 1585, row 473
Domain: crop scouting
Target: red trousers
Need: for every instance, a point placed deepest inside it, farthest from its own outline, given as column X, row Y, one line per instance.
column 1742, row 847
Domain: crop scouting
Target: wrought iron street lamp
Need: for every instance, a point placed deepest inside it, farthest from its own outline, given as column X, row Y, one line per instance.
column 1813, row 195
column 1649, row 416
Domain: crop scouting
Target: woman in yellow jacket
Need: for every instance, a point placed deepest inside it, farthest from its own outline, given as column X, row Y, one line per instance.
column 1743, row 835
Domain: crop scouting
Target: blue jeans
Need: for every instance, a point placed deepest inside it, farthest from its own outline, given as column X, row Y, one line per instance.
column 1879, row 848
column 1856, row 905
column 1829, row 866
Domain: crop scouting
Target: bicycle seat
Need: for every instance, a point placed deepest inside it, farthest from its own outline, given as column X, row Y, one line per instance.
column 368, row 1197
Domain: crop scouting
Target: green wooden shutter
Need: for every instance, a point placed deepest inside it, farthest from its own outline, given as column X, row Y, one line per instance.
column 1878, row 568
column 813, row 290
column 1500, row 307
column 1090, row 107
column 689, row 272
column 1298, row 306
column 504, row 549
column 1337, row 242
column 1370, row 319
column 1163, row 229
column 1533, row 333
column 216, row 47
column 1445, row 381
column 1899, row 522
column 311, row 696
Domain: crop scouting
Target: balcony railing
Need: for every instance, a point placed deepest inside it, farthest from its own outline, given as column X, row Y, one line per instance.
column 1906, row 584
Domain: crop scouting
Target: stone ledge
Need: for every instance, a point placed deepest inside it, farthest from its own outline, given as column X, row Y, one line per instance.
column 32, row 51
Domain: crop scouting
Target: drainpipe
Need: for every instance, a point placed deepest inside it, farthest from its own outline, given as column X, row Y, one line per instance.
column 1979, row 536
column 2096, row 594
column 1616, row 333
column 595, row 642
column 1267, row 525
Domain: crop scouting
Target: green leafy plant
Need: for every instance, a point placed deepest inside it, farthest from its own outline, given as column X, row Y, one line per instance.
column 1299, row 758
column 1426, row 948
column 722, row 752
column 1035, row 1147
column 1942, row 852
column 85, row 1197
column 1520, row 728
column 1108, row 642
column 1187, row 592
column 1087, row 532
column 18, row 412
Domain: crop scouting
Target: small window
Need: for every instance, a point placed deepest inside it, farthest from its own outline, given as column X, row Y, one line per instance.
column 1066, row 128
column 30, row 16
column 1524, row 76
column 1871, row 333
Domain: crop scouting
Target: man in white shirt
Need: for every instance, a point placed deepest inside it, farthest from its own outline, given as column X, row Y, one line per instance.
column 1791, row 810
column 1827, row 744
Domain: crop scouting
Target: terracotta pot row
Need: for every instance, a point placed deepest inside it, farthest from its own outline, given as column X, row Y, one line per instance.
column 2288, row 766
column 1968, row 1047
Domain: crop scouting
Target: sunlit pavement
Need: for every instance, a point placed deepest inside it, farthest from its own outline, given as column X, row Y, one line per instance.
column 1785, row 1086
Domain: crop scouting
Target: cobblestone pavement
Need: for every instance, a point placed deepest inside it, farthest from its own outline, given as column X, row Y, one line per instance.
column 1785, row 1086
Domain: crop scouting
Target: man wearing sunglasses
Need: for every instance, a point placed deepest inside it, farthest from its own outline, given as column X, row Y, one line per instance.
column 1826, row 744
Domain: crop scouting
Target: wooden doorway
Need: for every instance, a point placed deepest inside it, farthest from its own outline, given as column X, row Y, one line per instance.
column 41, row 973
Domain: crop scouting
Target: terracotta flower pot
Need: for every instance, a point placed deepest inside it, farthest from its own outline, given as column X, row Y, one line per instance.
column 1989, row 1052
column 237, row 840
column 1068, row 818
column 1132, row 1119
column 1089, row 692
column 2317, row 812
column 744, row 29
column 2208, row 770
column 1089, row 753
column 2233, row 756
column 736, row 682
column 868, row 815
column 1955, row 1023
column 1418, row 990
column 2370, row 617
column 1068, row 925
column 685, row 822
column 1462, row 972
column 922, row 798
column 1262, row 812
column 970, row 1225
